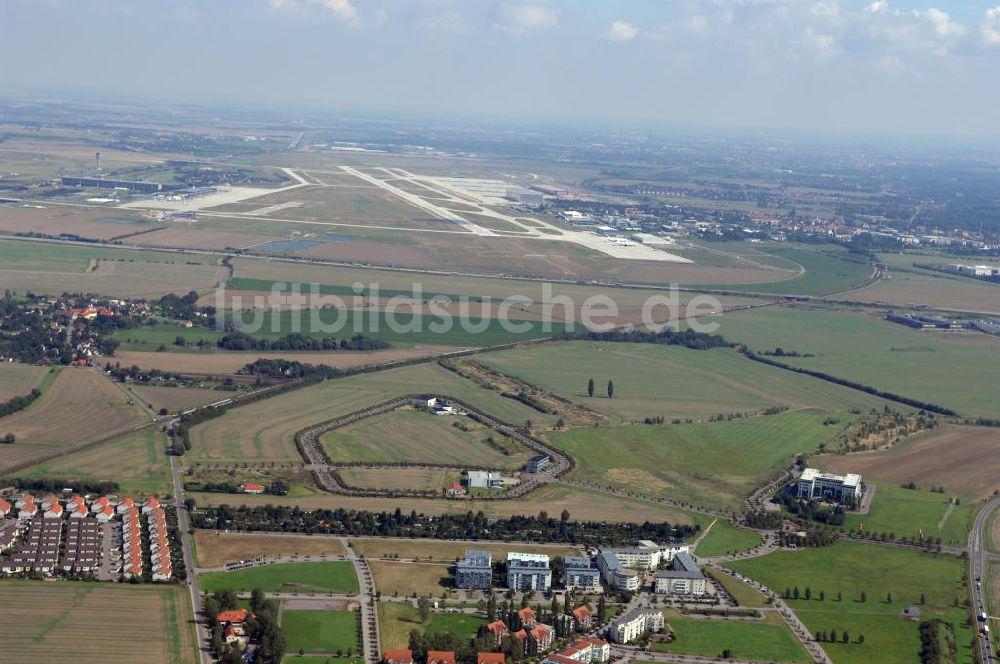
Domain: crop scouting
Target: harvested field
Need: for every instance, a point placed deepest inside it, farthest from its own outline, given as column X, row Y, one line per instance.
column 222, row 362
column 18, row 379
column 399, row 578
column 264, row 431
column 373, row 252
column 581, row 504
column 176, row 399
column 192, row 238
column 139, row 463
column 448, row 551
column 215, row 549
column 420, row 479
column 964, row 460
column 408, row 435
column 55, row 622
column 933, row 290
column 84, row 222
column 81, row 405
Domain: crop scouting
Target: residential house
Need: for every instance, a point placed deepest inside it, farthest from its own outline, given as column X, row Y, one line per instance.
column 150, row 505
column 635, row 623
column 587, row 650
column 475, row 570
column 252, row 487
column 528, row 571
column 454, row 489
column 527, row 617
column 54, row 512
column 491, row 658
column 499, row 630
column 579, row 573
column 398, row 656
column 682, row 578
column 582, row 617
column 4, row 507
column 125, row 505
column 543, row 636
column 440, row 657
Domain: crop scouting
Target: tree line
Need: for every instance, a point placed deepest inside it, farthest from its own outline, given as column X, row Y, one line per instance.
column 668, row 337
column 299, row 342
column 539, row 528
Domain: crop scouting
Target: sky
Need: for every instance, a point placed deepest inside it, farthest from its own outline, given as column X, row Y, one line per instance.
column 883, row 67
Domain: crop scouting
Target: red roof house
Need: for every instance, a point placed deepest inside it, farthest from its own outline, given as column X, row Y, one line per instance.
column 440, row 657
column 398, row 656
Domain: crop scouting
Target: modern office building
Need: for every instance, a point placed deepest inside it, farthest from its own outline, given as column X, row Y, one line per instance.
column 528, row 571
column 475, row 570
column 618, row 566
column 827, row 486
column 537, row 464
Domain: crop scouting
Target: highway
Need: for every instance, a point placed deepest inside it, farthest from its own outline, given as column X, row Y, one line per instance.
column 978, row 572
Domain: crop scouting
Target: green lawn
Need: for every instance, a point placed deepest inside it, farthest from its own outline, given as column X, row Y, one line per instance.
column 714, row 464
column 743, row 593
column 725, row 538
column 953, row 370
column 668, row 381
column 396, row 619
column 907, row 512
column 745, row 639
column 318, row 577
column 827, row 270
column 852, row 568
column 322, row 631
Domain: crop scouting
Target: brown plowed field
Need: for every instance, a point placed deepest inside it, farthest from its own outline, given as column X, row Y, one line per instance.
column 963, row 459
column 88, row 223
column 228, row 362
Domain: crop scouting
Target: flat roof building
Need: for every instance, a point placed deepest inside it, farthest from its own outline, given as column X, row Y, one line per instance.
column 635, row 623
column 475, row 570
column 682, row 578
column 482, row 479
column 579, row 573
column 528, row 571
column 828, row 486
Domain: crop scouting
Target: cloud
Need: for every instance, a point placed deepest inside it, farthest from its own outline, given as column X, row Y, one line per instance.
column 989, row 27
column 823, row 45
column 622, row 31
column 890, row 64
column 521, row 18
column 342, row 10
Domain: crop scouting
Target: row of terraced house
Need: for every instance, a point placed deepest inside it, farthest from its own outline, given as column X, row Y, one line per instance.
column 585, row 650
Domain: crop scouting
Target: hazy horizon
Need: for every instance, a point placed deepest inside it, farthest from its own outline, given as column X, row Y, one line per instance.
column 897, row 69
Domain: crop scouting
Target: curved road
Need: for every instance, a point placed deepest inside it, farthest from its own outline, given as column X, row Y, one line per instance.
column 978, row 567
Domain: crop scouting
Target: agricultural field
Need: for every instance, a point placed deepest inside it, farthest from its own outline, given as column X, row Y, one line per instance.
column 215, row 549
column 264, row 431
column 725, row 538
column 311, row 577
column 419, row 479
column 580, row 503
column 322, row 631
column 46, row 622
column 668, row 381
column 768, row 639
column 412, row 436
column 396, row 619
column 915, row 513
column 18, row 379
column 878, row 572
column 80, row 406
column 827, row 271
column 959, row 458
column 403, row 579
column 55, row 269
column 216, row 363
column 139, row 463
column 176, row 399
column 712, row 464
column 953, row 369
column 448, row 551
column 935, row 289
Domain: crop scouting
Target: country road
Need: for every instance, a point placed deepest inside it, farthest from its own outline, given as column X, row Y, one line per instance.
column 979, row 559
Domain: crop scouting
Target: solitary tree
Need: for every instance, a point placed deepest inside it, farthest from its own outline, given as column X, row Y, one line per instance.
column 864, row 597
column 590, row 387
column 888, row 598
column 861, row 638
column 424, row 606
column 845, row 637
column 611, row 389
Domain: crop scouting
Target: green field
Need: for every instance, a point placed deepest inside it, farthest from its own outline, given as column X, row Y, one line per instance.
column 265, row 430
column 743, row 593
column 906, row 513
column 139, row 464
column 668, row 381
column 396, row 619
column 318, row 577
column 952, row 369
column 851, row 568
column 725, row 538
column 712, row 464
column 322, row 631
column 831, row 270
column 18, row 379
column 759, row 640
column 415, row 436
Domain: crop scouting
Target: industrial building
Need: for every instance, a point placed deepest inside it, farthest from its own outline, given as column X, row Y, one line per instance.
column 828, row 486
column 482, row 479
column 579, row 573
column 475, row 570
column 682, row 578
column 102, row 183
column 528, row 571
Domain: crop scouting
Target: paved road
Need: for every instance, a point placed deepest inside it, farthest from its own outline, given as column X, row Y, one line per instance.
column 370, row 638
column 978, row 564
column 193, row 590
